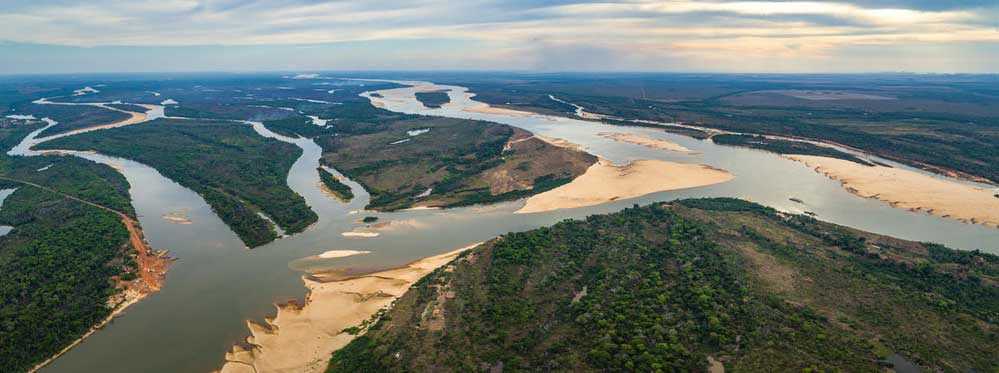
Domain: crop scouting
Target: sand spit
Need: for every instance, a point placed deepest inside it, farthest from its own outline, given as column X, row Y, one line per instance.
column 132, row 119
column 911, row 190
column 486, row 109
column 648, row 142
column 605, row 182
column 302, row 338
column 360, row 234
column 341, row 253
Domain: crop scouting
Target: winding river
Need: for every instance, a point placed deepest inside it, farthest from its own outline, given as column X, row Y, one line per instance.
column 217, row 284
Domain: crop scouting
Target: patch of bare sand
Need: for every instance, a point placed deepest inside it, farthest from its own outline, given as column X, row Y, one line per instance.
column 605, row 182
column 132, row 119
column 486, row 109
column 648, row 142
column 341, row 253
column 911, row 190
column 358, row 233
column 302, row 338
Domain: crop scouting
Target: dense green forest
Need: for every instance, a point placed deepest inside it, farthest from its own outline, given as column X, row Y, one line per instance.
column 785, row 147
column 58, row 263
column 12, row 131
column 340, row 189
column 433, row 100
column 296, row 126
column 71, row 117
column 213, row 110
column 925, row 121
column 667, row 286
column 238, row 172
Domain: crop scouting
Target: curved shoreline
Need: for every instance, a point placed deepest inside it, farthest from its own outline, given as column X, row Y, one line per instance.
column 605, row 182
column 301, row 338
column 910, row 190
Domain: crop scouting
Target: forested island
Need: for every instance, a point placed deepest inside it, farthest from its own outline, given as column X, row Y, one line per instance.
column 684, row 285
column 71, row 117
column 434, row 99
column 59, row 263
column 238, row 172
column 338, row 188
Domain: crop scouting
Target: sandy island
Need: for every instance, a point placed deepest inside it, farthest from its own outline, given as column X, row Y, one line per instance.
column 605, row 182
column 486, row 109
column 303, row 338
column 357, row 233
column 648, row 142
column 911, row 190
column 341, row 253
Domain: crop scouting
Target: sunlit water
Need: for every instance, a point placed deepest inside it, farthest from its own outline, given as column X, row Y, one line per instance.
column 4, row 193
column 217, row 283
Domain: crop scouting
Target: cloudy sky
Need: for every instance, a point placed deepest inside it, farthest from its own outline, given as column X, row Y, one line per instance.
column 38, row 36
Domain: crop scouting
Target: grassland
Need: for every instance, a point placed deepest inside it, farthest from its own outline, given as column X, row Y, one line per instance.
column 236, row 171
column 665, row 287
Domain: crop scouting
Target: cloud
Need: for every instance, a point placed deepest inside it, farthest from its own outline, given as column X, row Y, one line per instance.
column 635, row 34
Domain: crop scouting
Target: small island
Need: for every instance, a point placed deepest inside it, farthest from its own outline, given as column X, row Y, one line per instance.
column 433, row 99
column 339, row 189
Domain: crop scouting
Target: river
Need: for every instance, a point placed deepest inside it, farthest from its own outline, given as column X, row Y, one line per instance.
column 217, row 283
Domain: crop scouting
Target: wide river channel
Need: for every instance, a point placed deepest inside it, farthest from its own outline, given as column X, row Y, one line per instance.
column 217, row 284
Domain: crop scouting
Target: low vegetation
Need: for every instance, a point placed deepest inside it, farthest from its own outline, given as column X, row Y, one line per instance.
column 238, row 172
column 457, row 162
column 664, row 287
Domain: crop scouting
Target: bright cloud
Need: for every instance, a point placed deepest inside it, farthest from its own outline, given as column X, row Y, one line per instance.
column 521, row 34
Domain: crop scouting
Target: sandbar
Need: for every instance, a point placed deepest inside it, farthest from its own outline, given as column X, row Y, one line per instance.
column 605, row 182
column 360, row 234
column 486, row 109
column 341, row 253
column 911, row 190
column 302, row 338
column 648, row 142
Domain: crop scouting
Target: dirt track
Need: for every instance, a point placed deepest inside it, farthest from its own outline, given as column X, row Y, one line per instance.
column 152, row 263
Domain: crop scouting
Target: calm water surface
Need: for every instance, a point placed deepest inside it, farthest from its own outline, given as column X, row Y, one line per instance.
column 217, row 283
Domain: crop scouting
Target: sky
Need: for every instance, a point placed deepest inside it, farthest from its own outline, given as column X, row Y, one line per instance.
column 938, row 36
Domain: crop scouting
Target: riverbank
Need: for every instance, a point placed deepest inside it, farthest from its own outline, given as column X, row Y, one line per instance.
column 911, row 190
column 605, row 182
column 648, row 142
column 301, row 338
column 134, row 118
